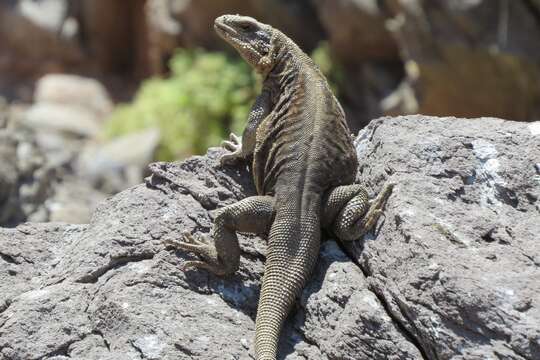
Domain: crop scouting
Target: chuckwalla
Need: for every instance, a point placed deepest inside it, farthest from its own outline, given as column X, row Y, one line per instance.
column 304, row 165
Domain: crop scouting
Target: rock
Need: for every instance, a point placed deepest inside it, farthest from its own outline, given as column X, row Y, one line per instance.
column 66, row 119
column 73, row 90
column 457, row 260
column 36, row 176
column 74, row 201
column 119, row 163
column 358, row 22
column 468, row 58
column 68, row 104
column 9, row 175
column 26, row 180
column 30, row 44
column 446, row 274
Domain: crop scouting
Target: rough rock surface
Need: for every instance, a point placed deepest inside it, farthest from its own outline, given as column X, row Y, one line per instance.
column 449, row 273
column 37, row 186
column 39, row 147
column 458, row 258
column 25, row 179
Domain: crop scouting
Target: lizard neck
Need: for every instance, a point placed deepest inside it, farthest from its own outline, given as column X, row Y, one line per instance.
column 288, row 61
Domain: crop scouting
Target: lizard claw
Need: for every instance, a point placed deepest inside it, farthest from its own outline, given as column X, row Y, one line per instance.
column 234, row 145
column 190, row 243
column 199, row 245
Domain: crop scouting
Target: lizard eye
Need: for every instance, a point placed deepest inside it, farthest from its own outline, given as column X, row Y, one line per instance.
column 246, row 26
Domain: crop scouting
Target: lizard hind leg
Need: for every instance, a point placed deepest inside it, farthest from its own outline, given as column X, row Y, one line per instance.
column 350, row 213
column 222, row 255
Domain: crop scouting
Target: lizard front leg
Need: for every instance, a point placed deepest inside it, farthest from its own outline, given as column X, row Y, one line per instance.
column 243, row 149
column 349, row 214
column 222, row 257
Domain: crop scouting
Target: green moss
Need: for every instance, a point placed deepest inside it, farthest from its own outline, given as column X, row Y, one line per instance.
column 206, row 96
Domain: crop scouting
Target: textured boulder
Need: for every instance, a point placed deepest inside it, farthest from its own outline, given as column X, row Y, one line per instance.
column 37, row 180
column 448, row 273
column 467, row 58
column 85, row 93
column 33, row 187
column 458, row 258
column 119, row 163
column 25, row 179
column 68, row 104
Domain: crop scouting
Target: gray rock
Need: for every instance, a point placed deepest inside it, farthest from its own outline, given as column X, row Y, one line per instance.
column 72, row 90
column 366, row 63
column 66, row 119
column 457, row 260
column 74, row 201
column 48, row 14
column 8, row 173
column 36, row 183
column 449, row 274
column 26, row 180
column 119, row 163
column 467, row 58
column 358, row 22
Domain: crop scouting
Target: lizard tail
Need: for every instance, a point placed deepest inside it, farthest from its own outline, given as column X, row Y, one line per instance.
column 293, row 248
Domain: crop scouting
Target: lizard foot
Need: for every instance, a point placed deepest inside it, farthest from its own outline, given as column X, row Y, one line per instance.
column 234, row 145
column 199, row 245
column 377, row 206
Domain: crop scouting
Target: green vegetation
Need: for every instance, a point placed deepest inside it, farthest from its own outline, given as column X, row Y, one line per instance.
column 333, row 72
column 206, row 96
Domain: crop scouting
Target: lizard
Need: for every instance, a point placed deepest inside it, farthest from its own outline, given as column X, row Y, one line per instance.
column 303, row 164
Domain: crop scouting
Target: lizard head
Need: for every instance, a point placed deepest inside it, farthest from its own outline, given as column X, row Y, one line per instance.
column 252, row 39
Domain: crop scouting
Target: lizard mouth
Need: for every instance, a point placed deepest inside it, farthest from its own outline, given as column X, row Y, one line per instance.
column 236, row 39
column 224, row 30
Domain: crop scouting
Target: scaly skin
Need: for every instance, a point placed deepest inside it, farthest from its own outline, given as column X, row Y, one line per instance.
column 303, row 161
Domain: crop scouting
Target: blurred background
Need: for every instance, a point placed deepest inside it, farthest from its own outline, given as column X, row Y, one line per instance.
column 91, row 91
